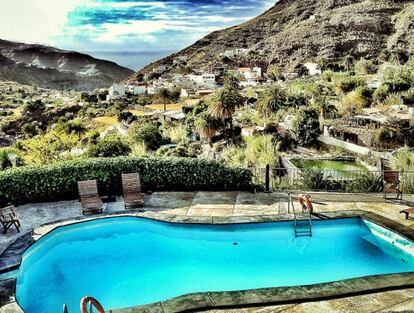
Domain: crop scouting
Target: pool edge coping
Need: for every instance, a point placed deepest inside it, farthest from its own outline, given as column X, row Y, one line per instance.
column 253, row 297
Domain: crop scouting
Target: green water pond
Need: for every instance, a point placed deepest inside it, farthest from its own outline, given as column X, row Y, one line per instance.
column 339, row 167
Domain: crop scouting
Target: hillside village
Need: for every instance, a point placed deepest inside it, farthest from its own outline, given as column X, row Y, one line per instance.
column 249, row 116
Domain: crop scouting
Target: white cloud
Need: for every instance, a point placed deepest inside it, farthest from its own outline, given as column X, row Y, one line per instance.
column 34, row 20
column 124, row 5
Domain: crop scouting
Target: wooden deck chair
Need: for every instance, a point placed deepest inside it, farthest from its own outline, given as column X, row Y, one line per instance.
column 131, row 188
column 89, row 197
column 392, row 188
column 8, row 218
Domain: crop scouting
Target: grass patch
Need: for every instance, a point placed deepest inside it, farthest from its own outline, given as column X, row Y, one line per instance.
column 105, row 120
column 170, row 106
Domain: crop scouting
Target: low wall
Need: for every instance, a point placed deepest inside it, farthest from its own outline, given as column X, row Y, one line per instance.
column 345, row 145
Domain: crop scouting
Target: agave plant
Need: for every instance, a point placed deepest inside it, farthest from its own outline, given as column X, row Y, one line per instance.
column 366, row 182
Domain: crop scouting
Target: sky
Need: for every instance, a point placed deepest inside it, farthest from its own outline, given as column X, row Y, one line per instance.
column 130, row 32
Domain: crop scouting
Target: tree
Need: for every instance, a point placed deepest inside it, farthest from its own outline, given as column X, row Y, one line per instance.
column 77, row 127
column 165, row 95
column 348, row 62
column 305, row 127
column 302, row 70
column 9, row 158
column 274, row 72
column 275, row 98
column 271, row 101
column 326, row 108
column 33, row 106
column 147, row 133
column 126, row 116
column 365, row 67
column 232, row 82
column 207, row 126
column 223, row 104
column 355, row 101
column 398, row 57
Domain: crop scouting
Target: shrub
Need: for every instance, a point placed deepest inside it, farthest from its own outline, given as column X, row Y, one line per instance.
column 393, row 99
column 346, row 84
column 355, row 101
column 365, row 67
column 110, row 146
column 58, row 181
column 33, row 106
column 187, row 150
column 313, row 179
column 366, row 182
column 257, row 152
column 381, row 93
column 9, row 157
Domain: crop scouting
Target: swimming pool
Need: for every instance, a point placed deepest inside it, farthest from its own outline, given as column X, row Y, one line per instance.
column 128, row 261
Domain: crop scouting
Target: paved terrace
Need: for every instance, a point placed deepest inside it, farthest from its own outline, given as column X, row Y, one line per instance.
column 219, row 205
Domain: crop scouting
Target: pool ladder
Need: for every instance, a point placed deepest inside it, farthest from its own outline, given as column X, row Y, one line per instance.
column 302, row 227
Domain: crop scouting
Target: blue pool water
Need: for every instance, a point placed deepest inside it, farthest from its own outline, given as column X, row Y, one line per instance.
column 127, row 261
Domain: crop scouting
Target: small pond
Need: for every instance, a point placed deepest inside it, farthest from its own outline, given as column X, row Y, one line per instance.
column 332, row 167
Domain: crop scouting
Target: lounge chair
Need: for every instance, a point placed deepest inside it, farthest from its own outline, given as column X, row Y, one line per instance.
column 89, row 197
column 131, row 187
column 407, row 212
column 392, row 186
column 8, row 218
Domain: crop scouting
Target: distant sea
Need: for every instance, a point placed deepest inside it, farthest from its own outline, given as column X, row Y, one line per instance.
column 133, row 60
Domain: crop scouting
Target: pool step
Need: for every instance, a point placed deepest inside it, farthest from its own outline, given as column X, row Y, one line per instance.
column 303, row 230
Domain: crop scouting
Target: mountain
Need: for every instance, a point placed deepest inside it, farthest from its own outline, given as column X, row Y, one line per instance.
column 48, row 67
column 297, row 31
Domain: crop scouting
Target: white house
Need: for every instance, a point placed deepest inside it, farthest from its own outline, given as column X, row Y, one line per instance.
column 207, row 80
column 204, row 92
column 185, row 82
column 153, row 90
column 175, row 77
column 136, row 89
column 116, row 91
column 162, row 83
column 235, row 52
column 185, row 93
column 313, row 68
column 250, row 74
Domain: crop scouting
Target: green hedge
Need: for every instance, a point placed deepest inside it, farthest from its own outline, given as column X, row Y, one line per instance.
column 58, row 181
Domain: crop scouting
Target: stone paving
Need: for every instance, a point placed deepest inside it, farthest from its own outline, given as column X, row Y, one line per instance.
column 216, row 205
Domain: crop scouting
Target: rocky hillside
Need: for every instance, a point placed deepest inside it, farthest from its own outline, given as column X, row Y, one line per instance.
column 295, row 31
column 49, row 67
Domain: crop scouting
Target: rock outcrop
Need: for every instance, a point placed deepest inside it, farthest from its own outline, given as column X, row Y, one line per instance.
column 297, row 31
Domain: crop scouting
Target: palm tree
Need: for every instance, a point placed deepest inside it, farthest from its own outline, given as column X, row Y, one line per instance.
column 348, row 62
column 165, row 95
column 207, row 127
column 398, row 57
column 223, row 105
column 272, row 99
column 76, row 126
column 326, row 108
column 232, row 82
